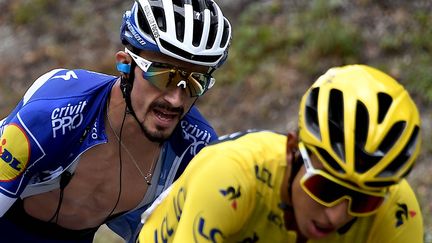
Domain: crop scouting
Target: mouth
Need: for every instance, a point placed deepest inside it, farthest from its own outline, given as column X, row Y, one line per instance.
column 321, row 230
column 165, row 117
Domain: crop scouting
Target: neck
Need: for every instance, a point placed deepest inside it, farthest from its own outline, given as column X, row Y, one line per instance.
column 131, row 133
column 145, row 151
column 286, row 199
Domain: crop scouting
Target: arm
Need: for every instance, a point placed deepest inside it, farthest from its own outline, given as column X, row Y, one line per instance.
column 400, row 219
column 210, row 202
column 14, row 158
column 5, row 203
column 18, row 148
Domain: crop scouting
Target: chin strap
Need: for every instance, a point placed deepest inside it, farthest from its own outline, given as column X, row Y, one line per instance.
column 126, row 85
column 295, row 167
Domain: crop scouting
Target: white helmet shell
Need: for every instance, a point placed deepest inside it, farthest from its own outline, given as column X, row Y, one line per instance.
column 193, row 31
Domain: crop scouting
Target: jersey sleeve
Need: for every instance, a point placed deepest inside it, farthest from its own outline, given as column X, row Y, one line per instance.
column 15, row 151
column 19, row 149
column 211, row 201
column 400, row 219
column 43, row 134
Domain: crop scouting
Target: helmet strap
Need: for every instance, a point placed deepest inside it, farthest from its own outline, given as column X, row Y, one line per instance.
column 295, row 168
column 126, row 85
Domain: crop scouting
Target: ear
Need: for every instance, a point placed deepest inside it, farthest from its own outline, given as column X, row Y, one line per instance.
column 123, row 61
column 291, row 147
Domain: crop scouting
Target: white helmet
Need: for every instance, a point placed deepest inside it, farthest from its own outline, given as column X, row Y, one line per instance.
column 193, row 31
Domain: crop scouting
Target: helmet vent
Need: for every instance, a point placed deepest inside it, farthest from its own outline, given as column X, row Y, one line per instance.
column 185, row 54
column 363, row 160
column 210, row 6
column 403, row 156
column 336, row 123
column 198, row 5
column 361, row 124
column 159, row 15
column 179, row 3
column 392, row 136
column 384, row 102
column 143, row 24
column 198, row 31
column 225, row 34
column 329, row 160
column 311, row 113
column 379, row 184
column 180, row 26
column 212, row 35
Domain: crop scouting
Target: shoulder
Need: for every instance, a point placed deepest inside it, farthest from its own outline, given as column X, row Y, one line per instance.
column 63, row 82
column 399, row 216
column 193, row 131
column 63, row 98
column 244, row 151
column 253, row 134
column 57, row 108
column 194, row 126
column 260, row 142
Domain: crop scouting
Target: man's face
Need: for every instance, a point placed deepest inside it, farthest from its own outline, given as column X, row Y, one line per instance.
column 160, row 110
column 315, row 220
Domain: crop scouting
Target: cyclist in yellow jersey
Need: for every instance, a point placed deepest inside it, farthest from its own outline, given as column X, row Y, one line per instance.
column 339, row 179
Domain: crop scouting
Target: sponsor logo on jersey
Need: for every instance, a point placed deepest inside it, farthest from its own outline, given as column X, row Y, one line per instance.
column 232, row 194
column 165, row 231
column 65, row 119
column 200, row 138
column 264, row 175
column 14, row 152
column 203, row 230
column 192, row 130
column 403, row 213
column 275, row 219
column 178, row 203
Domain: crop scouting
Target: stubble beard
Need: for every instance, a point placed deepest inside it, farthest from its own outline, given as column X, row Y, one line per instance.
column 158, row 136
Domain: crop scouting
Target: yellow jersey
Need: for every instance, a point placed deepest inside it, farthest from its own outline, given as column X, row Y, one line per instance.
column 230, row 192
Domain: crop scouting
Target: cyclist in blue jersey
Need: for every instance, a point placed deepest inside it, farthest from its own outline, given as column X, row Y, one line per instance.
column 82, row 149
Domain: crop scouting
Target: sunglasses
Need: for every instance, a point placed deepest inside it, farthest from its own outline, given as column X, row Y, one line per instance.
column 329, row 190
column 163, row 75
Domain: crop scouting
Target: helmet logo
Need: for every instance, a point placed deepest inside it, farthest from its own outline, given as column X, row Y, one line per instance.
column 151, row 20
column 134, row 33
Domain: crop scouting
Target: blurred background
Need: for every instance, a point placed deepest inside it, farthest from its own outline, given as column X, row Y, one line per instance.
column 279, row 48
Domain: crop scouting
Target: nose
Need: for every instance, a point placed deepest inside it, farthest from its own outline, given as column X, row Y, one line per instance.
column 176, row 95
column 338, row 214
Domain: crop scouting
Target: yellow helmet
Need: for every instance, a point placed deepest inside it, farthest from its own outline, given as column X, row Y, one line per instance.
column 362, row 125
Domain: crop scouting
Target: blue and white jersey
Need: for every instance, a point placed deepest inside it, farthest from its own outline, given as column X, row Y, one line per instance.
column 59, row 118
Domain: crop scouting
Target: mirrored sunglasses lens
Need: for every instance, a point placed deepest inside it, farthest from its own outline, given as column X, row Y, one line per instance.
column 198, row 83
column 329, row 191
column 324, row 189
column 363, row 203
column 159, row 77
